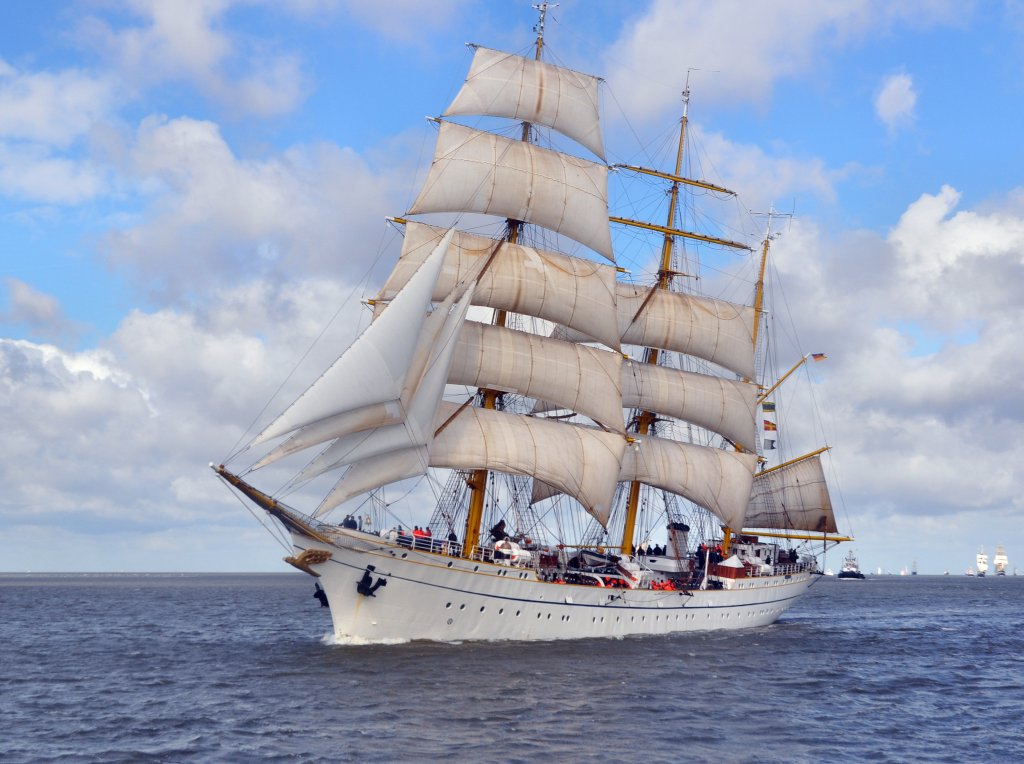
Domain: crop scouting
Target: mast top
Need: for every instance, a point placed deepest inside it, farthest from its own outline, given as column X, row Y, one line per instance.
column 542, row 9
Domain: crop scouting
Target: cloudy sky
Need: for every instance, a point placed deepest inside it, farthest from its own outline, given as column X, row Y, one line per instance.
column 189, row 190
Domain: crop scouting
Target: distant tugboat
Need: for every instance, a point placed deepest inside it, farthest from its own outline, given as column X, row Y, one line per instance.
column 851, row 569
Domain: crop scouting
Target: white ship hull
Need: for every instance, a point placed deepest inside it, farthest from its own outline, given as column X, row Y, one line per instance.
column 436, row 597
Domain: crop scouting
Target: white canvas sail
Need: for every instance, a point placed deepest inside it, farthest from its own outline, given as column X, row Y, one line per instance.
column 720, row 481
column 417, row 426
column 506, row 85
column 708, row 328
column 581, row 462
column 717, row 480
column 374, row 472
column 725, row 406
column 373, row 368
column 715, row 330
column 576, row 377
column 475, row 171
column 365, row 418
column 566, row 290
column 792, row 497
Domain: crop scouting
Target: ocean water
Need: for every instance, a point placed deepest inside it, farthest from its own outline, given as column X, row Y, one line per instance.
column 238, row 668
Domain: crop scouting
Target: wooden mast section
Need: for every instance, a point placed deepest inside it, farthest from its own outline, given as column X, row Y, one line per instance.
column 477, row 481
column 665, row 275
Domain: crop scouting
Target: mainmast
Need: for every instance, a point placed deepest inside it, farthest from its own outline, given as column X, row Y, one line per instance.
column 478, row 479
column 665, row 274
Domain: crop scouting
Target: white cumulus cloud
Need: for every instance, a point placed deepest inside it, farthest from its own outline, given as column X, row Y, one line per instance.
column 896, row 100
column 175, row 41
column 744, row 48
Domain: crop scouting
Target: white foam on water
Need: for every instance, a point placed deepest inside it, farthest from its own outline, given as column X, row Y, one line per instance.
column 346, row 641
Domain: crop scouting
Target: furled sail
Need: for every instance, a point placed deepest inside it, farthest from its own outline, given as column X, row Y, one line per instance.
column 576, row 377
column 705, row 327
column 724, row 406
column 793, row 496
column 373, row 369
column 717, row 480
column 474, row 171
column 567, row 290
column 582, row 462
column 506, row 85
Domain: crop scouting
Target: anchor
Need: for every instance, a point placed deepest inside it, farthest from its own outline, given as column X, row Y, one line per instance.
column 365, row 585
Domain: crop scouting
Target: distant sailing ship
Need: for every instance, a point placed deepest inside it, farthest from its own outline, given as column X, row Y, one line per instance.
column 586, row 493
column 851, row 568
column 1000, row 561
column 982, row 562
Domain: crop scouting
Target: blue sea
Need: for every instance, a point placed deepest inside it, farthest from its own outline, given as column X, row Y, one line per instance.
column 240, row 668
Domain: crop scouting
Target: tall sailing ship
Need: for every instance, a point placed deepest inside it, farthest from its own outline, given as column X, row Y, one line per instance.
column 1000, row 561
column 593, row 444
column 982, row 562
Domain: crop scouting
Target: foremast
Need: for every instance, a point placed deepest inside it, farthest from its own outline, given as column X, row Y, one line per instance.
column 477, row 481
column 666, row 274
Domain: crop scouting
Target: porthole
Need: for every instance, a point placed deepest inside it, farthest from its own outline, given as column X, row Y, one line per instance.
column 447, row 605
column 462, row 606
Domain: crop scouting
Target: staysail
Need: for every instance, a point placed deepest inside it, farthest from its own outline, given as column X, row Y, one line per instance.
column 372, row 371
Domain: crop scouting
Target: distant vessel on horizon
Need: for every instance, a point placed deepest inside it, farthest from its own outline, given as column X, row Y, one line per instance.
column 982, row 563
column 1000, row 561
column 851, row 568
